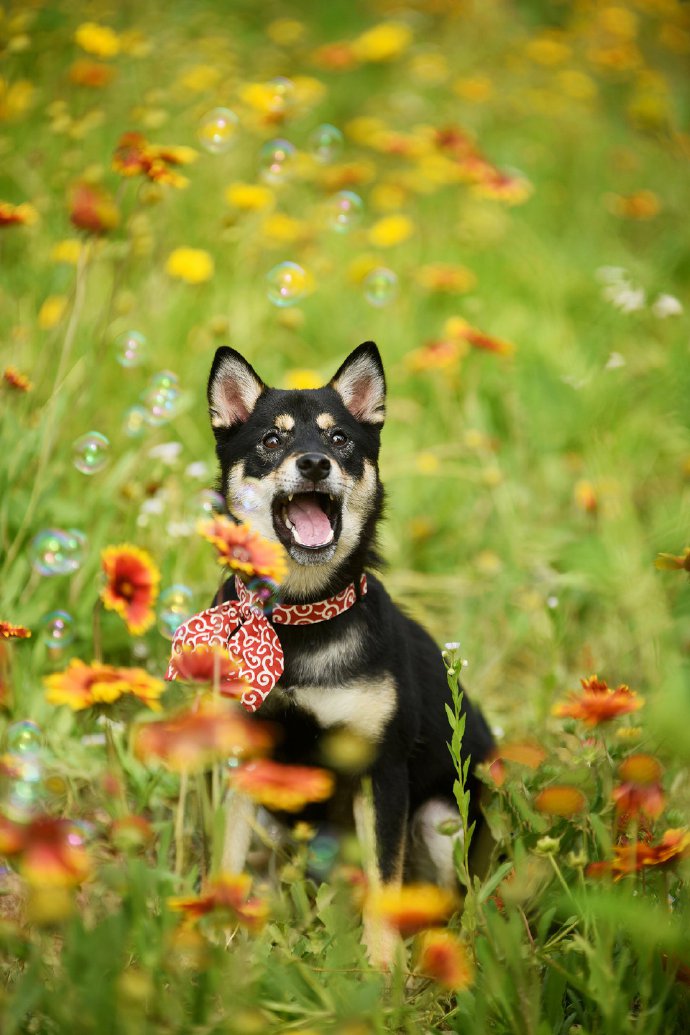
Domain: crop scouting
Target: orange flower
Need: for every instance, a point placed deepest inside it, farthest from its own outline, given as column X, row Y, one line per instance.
column 132, row 585
column 446, row 278
column 641, row 793
column 244, row 550
column 227, row 894
column 286, row 788
column 503, row 186
column 671, row 562
column 90, row 73
column 17, row 215
column 628, row 858
column 135, row 156
column 192, row 740
column 560, row 800
column 599, row 703
column 81, row 686
column 443, row 957
column 16, row 380
column 335, row 57
column 524, row 753
column 461, row 330
column 586, row 496
column 435, row 355
column 13, row 632
column 206, row 663
column 92, row 208
column 49, row 851
column 412, row 907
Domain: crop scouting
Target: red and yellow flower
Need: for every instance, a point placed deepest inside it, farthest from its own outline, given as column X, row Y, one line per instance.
column 226, row 896
column 48, row 852
column 14, row 632
column 17, row 215
column 194, row 739
column 460, row 330
column 599, row 703
column 560, row 800
column 443, row 958
column 92, row 208
column 20, row 382
column 524, row 752
column 81, row 686
column 674, row 562
column 641, row 794
column 135, row 156
column 94, row 74
column 244, row 550
column 412, row 907
column 132, row 586
column 632, row 857
column 286, row 788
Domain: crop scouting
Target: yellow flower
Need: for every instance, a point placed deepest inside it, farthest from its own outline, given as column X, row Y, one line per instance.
column 303, row 379
column 52, row 311
column 67, row 251
column 250, row 197
column 15, row 98
column 282, row 229
column 391, row 230
column 192, row 265
column 548, row 50
column 383, row 42
column 361, row 266
column 97, row 39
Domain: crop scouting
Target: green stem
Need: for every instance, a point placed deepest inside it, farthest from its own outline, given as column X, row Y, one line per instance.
column 179, row 824
column 96, row 631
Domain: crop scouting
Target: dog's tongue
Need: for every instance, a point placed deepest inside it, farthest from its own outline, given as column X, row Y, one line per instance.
column 311, row 524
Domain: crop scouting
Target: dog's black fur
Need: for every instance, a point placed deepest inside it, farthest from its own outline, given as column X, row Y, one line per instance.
column 371, row 670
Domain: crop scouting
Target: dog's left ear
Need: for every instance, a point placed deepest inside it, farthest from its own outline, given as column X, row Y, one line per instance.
column 361, row 384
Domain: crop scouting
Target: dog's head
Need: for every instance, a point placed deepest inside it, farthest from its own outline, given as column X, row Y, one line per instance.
column 301, row 464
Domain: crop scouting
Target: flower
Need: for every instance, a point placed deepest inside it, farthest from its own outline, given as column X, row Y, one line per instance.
column 80, row 685
column 227, row 894
column 284, row 787
column 92, row 208
column 132, row 585
column 17, row 215
column 560, row 800
column 434, row 355
column 412, row 907
column 383, row 42
column 446, row 277
column 585, row 496
column 443, row 957
column 193, row 739
column 67, row 251
column 641, row 205
column 640, row 793
column 13, row 632
column 244, row 550
column 303, row 378
column 49, row 851
column 671, row 562
column 630, row 857
column 206, row 663
column 90, row 73
column 598, row 702
column 193, row 265
column 460, row 330
column 135, row 156
column 391, row 230
column 97, row 39
column 250, row 197
column 51, row 312
column 20, row 382
column 524, row 753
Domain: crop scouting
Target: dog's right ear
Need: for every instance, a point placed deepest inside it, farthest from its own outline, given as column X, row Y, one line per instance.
column 233, row 388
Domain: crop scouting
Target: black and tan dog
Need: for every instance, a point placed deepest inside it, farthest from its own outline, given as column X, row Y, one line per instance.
column 301, row 467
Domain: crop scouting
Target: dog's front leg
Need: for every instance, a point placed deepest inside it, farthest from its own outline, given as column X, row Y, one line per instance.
column 381, row 822
column 239, row 820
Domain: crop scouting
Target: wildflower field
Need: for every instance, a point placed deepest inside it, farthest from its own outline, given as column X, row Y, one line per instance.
column 497, row 194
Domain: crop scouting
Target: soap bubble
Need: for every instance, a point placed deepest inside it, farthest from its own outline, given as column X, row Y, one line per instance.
column 135, row 421
column 57, row 629
column 22, row 786
column 288, row 283
column 218, row 130
column 326, row 143
column 380, row 287
column 131, row 348
column 174, row 608
column 282, row 95
column 343, row 211
column 90, row 452
column 55, row 551
column 161, row 398
column 209, row 503
column 23, row 737
column 267, row 592
column 276, row 160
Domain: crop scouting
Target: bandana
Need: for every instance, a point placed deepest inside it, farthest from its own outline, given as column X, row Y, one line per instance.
column 245, row 630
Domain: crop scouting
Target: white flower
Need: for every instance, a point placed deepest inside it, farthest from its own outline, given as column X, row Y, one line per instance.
column 198, row 469
column 624, row 296
column 667, row 305
column 152, row 506
column 168, row 452
column 615, row 361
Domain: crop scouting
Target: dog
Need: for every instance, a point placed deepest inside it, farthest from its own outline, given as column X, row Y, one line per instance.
column 301, row 466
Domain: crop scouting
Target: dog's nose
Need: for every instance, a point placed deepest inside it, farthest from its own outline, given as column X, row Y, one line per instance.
column 314, row 466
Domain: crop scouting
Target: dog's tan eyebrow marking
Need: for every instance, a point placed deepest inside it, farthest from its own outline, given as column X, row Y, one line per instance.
column 284, row 422
column 325, row 421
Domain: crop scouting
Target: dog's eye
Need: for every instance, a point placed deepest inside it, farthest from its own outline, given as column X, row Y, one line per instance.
column 272, row 440
column 338, row 438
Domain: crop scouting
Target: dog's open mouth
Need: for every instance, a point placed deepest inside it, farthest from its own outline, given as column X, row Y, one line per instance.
column 310, row 520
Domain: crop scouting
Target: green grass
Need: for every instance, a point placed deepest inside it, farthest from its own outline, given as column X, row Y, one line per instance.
column 485, row 539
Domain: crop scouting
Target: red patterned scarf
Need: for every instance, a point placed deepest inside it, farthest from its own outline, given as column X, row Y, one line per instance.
column 243, row 628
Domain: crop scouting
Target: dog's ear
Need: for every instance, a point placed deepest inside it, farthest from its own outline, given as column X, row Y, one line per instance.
column 233, row 388
column 361, row 384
